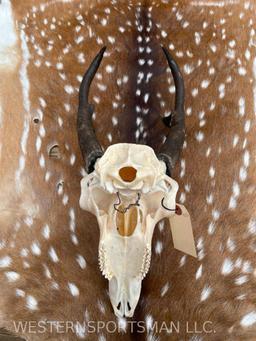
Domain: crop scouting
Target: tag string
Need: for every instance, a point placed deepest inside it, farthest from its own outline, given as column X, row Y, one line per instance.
column 177, row 209
column 168, row 209
column 127, row 207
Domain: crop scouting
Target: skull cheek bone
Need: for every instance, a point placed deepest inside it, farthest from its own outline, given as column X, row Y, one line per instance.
column 127, row 174
column 128, row 191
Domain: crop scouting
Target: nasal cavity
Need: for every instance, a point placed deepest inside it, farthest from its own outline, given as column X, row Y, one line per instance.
column 127, row 174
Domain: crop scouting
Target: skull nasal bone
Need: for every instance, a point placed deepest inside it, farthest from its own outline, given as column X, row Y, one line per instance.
column 127, row 174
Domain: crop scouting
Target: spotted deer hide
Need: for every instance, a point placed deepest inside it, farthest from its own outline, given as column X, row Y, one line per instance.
column 48, row 245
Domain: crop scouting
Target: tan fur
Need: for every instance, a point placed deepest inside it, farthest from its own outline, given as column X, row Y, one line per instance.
column 212, row 161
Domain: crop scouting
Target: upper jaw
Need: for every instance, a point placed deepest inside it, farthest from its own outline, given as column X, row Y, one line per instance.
column 124, row 295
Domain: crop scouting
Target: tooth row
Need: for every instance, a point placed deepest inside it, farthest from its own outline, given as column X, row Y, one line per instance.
column 145, row 262
column 103, row 264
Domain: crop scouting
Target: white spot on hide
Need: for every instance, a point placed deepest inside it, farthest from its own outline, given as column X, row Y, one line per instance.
column 73, row 289
column 81, row 261
column 35, row 249
column 248, row 319
column 5, row 262
column 53, row 255
column 46, row 231
column 12, row 276
column 227, row 266
column 31, row 303
column 199, row 272
column 205, row 293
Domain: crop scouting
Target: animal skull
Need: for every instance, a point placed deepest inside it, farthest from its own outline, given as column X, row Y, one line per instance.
column 126, row 193
column 128, row 189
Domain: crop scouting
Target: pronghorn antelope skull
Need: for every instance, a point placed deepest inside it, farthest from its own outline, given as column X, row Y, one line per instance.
column 129, row 189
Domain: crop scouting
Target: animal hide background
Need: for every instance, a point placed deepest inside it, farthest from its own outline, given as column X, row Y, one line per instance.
column 48, row 245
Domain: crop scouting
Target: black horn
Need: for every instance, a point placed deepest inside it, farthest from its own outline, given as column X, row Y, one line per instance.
column 170, row 150
column 89, row 145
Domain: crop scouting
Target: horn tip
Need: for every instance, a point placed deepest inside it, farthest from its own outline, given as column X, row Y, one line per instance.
column 103, row 49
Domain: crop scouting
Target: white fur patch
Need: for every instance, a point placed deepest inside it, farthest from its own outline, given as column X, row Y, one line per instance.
column 73, row 289
column 8, row 55
column 214, row 3
column 254, row 88
column 81, row 261
column 20, row 293
column 53, row 255
column 248, row 319
column 35, row 248
column 23, row 72
column 205, row 293
column 199, row 272
column 5, row 262
column 12, row 276
column 1, row 115
column 80, row 330
column 26, row 104
column 46, row 232
column 227, row 266
column 31, row 303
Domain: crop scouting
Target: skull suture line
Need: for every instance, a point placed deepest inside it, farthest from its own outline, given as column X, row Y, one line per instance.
column 128, row 189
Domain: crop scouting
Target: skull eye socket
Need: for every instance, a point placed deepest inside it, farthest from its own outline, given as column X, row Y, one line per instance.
column 128, row 174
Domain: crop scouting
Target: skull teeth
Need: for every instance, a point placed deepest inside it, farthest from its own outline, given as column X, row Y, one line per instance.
column 145, row 262
column 105, row 268
column 103, row 263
